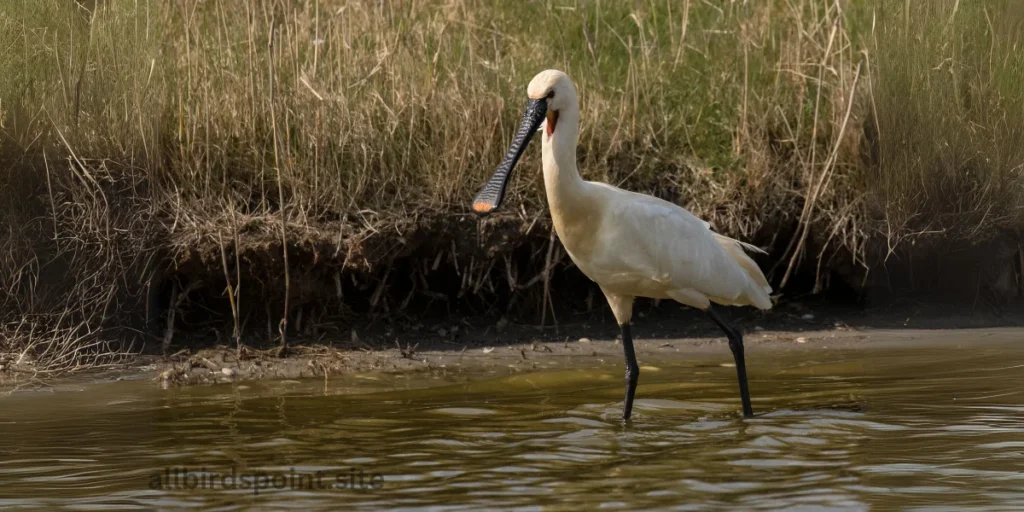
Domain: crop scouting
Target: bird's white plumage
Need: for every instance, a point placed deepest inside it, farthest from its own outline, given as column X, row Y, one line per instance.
column 636, row 245
column 648, row 247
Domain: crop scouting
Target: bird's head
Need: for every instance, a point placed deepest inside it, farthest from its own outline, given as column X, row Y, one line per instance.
column 557, row 91
column 549, row 93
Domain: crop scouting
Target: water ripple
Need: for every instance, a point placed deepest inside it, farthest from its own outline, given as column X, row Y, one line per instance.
column 864, row 437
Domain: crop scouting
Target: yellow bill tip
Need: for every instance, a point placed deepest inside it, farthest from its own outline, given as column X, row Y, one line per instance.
column 482, row 207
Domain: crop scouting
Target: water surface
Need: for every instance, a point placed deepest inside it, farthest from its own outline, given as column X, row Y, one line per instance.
column 917, row 426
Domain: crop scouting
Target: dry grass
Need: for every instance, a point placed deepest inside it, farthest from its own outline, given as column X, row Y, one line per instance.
column 948, row 107
column 142, row 134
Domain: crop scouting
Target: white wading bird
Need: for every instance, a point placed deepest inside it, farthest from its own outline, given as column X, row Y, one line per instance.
column 632, row 245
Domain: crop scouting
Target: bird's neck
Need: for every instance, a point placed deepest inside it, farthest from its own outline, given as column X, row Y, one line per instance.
column 562, row 180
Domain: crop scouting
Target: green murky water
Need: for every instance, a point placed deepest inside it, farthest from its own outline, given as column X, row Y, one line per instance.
column 920, row 426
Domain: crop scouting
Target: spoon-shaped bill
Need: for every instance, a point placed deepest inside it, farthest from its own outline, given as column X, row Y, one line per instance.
column 489, row 198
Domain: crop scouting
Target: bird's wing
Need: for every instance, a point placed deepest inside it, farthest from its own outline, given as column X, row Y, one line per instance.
column 643, row 237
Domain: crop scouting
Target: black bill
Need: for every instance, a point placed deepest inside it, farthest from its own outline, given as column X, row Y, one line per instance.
column 490, row 197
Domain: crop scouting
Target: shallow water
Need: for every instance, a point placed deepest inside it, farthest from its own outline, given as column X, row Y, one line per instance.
column 919, row 426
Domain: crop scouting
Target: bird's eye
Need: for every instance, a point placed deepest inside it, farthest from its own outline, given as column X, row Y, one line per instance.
column 551, row 95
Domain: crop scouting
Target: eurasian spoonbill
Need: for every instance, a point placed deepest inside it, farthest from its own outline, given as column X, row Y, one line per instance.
column 630, row 244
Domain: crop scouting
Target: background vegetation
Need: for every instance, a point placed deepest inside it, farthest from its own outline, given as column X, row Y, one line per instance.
column 153, row 148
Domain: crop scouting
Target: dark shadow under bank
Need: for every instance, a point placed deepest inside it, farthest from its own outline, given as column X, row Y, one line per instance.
column 467, row 278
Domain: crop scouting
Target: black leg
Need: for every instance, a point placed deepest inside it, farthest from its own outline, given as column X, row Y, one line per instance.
column 736, row 345
column 632, row 370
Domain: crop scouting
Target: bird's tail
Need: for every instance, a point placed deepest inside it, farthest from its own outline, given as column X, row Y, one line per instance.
column 759, row 291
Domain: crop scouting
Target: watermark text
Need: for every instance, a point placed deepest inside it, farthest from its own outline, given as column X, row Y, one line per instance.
column 260, row 481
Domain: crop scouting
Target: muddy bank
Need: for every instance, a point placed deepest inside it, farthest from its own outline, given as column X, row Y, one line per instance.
column 222, row 364
column 663, row 334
